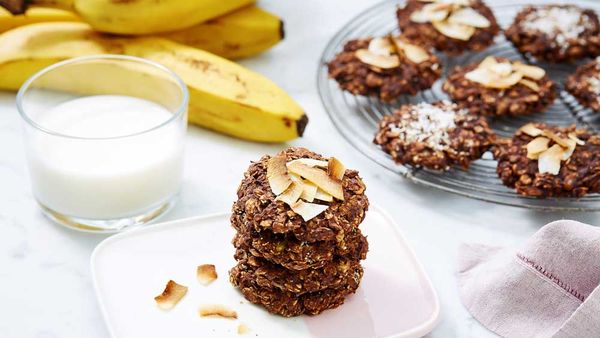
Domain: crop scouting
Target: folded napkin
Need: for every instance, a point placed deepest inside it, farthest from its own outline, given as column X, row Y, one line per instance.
column 548, row 288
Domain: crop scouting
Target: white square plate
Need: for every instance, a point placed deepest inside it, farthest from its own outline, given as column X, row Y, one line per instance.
column 395, row 298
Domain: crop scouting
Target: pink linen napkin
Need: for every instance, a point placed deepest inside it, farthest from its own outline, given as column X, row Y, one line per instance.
column 548, row 288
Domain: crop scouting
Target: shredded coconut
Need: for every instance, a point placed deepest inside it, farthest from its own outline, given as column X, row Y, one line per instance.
column 428, row 124
column 561, row 23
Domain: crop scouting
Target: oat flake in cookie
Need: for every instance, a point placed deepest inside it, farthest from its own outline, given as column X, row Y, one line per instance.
column 548, row 161
column 584, row 85
column 298, row 245
column 435, row 136
column 556, row 33
column 450, row 26
column 497, row 86
column 385, row 67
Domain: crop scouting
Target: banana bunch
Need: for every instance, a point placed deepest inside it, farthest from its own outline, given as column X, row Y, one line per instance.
column 136, row 17
column 242, row 33
column 224, row 96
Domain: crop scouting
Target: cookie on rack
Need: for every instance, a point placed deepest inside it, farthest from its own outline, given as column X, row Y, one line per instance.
column 435, row 136
column 548, row 161
column 497, row 86
column 384, row 67
column 584, row 85
column 450, row 26
column 556, row 33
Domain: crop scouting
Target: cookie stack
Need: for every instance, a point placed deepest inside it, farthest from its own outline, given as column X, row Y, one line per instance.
column 298, row 245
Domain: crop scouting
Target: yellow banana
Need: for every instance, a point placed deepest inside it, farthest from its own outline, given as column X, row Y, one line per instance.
column 242, row 33
column 136, row 17
column 33, row 15
column 224, row 96
column 245, row 32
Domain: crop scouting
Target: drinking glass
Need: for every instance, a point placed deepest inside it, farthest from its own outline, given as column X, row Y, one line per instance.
column 104, row 138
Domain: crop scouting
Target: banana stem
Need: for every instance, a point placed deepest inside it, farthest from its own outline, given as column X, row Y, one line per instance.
column 17, row 7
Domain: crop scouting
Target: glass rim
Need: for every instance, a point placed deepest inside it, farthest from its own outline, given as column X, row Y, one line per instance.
column 27, row 84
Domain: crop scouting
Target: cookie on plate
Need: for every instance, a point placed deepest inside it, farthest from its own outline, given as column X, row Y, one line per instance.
column 549, row 161
column 289, row 304
column 384, row 67
column 497, row 86
column 450, row 26
column 435, row 136
column 289, row 252
column 556, row 33
column 298, row 245
column 584, row 85
column 335, row 274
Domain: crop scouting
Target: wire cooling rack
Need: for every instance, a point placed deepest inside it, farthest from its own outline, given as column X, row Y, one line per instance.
column 356, row 117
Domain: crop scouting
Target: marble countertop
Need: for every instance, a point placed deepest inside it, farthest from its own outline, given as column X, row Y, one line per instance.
column 45, row 285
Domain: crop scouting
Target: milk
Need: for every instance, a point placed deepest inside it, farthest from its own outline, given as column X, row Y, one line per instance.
column 99, row 172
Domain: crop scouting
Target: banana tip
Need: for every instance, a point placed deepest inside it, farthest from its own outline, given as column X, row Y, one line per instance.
column 301, row 124
column 281, row 29
column 15, row 7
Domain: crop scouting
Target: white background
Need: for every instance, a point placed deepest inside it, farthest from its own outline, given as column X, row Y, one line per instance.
column 45, row 286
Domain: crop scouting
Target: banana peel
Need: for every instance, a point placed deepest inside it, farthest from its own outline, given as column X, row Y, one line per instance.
column 224, row 96
column 34, row 15
column 245, row 32
column 136, row 17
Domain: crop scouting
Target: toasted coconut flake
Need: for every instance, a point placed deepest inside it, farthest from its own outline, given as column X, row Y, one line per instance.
column 554, row 137
column 277, row 174
column 323, row 196
column 414, row 53
column 206, row 274
column 309, row 191
column 531, row 130
column 501, row 69
column 243, row 329
column 537, row 146
column 217, row 310
column 336, row 169
column 493, row 80
column 487, row 62
column 171, row 295
column 531, row 72
column 319, row 178
column 308, row 211
column 311, row 162
column 454, row 30
column 569, row 150
column 431, row 13
column 291, row 194
column 470, row 17
column 379, row 61
column 530, row 84
column 381, row 46
column 479, row 75
column 574, row 137
column 549, row 160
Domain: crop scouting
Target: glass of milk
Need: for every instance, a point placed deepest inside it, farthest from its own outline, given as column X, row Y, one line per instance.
column 104, row 139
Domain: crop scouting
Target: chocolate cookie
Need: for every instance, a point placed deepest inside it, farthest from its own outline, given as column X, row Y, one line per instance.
column 435, row 136
column 544, row 168
column 293, row 254
column 335, row 274
column 256, row 204
column 482, row 90
column 584, row 85
column 289, row 304
column 450, row 27
column 556, row 33
column 374, row 67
